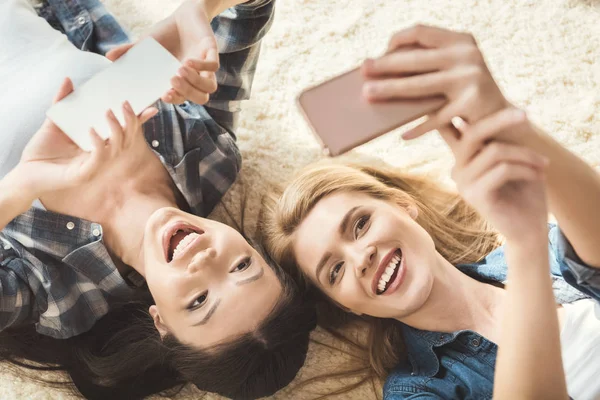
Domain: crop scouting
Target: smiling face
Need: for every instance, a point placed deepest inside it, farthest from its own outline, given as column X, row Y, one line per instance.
column 368, row 255
column 208, row 283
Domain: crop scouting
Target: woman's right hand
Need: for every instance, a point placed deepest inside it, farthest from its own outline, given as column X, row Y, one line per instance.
column 51, row 161
column 425, row 61
column 504, row 182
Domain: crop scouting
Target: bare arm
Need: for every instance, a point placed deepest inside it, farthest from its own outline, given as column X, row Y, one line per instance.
column 529, row 363
column 14, row 199
column 506, row 183
column 573, row 189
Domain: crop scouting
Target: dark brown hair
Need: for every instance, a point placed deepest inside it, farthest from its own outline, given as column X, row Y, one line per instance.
column 123, row 356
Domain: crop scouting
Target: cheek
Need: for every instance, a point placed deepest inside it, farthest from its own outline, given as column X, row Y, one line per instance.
column 351, row 296
column 165, row 286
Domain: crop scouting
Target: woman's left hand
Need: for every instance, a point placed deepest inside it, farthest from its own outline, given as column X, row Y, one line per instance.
column 188, row 35
column 425, row 61
column 503, row 181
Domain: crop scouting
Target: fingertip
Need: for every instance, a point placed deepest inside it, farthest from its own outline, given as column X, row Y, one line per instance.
column 368, row 66
column 370, row 90
column 127, row 107
column 519, row 115
column 408, row 135
column 459, row 123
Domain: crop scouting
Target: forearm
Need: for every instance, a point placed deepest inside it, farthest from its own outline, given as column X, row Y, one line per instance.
column 216, row 7
column 529, row 363
column 13, row 200
column 573, row 189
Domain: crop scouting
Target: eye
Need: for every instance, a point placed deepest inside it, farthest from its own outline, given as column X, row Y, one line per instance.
column 199, row 302
column 335, row 271
column 360, row 225
column 242, row 266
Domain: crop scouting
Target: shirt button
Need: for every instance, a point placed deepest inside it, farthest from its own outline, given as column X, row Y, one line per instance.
column 96, row 232
column 70, row 225
column 475, row 342
column 6, row 246
column 155, row 143
column 81, row 20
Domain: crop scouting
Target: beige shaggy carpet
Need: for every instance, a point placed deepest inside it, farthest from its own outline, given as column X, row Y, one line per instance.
column 544, row 54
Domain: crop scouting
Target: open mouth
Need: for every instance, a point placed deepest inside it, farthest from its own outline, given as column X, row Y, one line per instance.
column 177, row 239
column 390, row 273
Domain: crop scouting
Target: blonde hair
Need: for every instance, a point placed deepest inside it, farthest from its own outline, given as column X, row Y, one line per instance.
column 459, row 233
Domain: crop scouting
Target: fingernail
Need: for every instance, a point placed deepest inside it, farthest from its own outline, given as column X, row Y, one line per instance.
column 169, row 97
column 189, row 64
column 182, row 71
column 545, row 161
column 458, row 122
column 407, row 135
column 370, row 89
column 369, row 64
column 519, row 114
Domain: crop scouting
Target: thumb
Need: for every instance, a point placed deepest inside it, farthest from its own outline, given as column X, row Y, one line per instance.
column 65, row 89
column 118, row 51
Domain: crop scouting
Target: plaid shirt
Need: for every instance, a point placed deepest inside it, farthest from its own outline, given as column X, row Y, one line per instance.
column 55, row 270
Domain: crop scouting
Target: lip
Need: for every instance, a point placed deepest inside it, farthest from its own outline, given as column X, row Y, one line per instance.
column 168, row 232
column 381, row 269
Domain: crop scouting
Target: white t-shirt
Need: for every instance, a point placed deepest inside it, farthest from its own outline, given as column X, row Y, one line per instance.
column 580, row 340
column 34, row 60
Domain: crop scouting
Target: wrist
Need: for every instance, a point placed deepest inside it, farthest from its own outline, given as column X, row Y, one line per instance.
column 16, row 192
column 212, row 8
column 533, row 245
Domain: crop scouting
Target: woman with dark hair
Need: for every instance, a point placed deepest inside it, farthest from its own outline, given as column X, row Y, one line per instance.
column 109, row 269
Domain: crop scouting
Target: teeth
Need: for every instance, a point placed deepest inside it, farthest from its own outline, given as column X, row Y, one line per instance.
column 389, row 271
column 184, row 242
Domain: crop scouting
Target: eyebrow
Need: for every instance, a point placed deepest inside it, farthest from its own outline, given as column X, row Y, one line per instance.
column 342, row 229
column 346, row 219
column 252, row 278
column 321, row 264
column 208, row 314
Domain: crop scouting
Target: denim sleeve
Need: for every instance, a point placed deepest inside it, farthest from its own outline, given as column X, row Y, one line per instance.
column 578, row 274
column 238, row 31
column 408, row 396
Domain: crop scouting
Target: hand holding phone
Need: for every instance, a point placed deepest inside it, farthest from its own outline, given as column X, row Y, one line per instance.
column 342, row 118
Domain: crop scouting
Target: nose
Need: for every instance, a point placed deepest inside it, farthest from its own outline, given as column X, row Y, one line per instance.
column 364, row 260
column 202, row 260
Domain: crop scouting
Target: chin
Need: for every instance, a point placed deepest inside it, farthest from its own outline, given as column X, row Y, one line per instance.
column 413, row 299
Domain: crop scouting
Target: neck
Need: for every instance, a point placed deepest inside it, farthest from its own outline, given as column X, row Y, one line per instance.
column 124, row 228
column 459, row 302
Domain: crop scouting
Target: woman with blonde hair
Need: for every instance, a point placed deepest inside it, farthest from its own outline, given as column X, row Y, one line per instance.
column 465, row 295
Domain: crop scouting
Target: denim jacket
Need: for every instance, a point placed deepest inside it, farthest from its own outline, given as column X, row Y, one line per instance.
column 460, row 365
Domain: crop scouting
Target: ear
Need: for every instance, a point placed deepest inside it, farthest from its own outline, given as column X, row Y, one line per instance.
column 412, row 211
column 160, row 326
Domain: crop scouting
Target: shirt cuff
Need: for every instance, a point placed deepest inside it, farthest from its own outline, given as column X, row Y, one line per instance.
column 577, row 273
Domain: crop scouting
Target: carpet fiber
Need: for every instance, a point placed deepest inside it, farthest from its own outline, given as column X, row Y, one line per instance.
column 544, row 54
